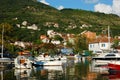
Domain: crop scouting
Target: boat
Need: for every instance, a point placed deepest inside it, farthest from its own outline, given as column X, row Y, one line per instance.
column 47, row 63
column 23, row 61
column 46, row 60
column 43, row 57
column 60, row 57
column 105, row 58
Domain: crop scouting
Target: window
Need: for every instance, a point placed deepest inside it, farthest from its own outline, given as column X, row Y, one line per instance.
column 103, row 45
column 110, row 55
column 91, row 46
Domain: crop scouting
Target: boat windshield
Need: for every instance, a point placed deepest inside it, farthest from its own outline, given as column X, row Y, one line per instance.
column 110, row 55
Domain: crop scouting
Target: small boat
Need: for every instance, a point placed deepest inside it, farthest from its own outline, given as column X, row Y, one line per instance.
column 48, row 63
column 22, row 61
column 60, row 57
column 43, row 57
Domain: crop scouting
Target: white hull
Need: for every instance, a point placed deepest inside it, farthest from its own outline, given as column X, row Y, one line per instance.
column 22, row 64
column 105, row 58
column 43, row 58
column 101, row 62
column 48, row 63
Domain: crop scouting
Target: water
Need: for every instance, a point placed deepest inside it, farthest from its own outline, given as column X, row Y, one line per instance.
column 71, row 70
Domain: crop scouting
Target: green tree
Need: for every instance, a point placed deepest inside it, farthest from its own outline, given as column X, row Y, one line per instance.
column 80, row 43
column 8, row 29
column 7, row 36
column 115, row 43
column 38, row 41
column 58, row 37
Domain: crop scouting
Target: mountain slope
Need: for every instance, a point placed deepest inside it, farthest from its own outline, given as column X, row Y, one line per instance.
column 46, row 17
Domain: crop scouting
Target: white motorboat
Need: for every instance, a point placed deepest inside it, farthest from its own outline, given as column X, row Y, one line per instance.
column 105, row 58
column 43, row 57
column 23, row 61
column 48, row 63
column 60, row 57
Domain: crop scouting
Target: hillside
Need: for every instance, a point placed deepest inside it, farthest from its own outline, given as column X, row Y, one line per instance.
column 45, row 17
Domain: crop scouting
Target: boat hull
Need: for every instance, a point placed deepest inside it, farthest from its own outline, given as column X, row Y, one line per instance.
column 48, row 63
column 21, row 62
column 114, row 66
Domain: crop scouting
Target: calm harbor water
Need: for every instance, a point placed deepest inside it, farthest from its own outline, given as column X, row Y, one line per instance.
column 71, row 70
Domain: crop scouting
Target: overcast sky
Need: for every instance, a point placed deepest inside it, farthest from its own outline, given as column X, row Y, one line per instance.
column 104, row 6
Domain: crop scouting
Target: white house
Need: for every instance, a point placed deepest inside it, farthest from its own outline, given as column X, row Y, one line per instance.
column 102, row 43
column 55, row 42
column 44, row 39
column 22, row 44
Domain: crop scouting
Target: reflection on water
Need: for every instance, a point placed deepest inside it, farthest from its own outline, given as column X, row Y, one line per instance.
column 22, row 74
column 94, row 67
column 71, row 70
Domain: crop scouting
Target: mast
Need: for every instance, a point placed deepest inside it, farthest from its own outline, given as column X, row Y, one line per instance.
column 108, row 38
column 2, row 41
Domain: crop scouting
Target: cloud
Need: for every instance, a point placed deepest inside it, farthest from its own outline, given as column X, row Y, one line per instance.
column 60, row 7
column 91, row 1
column 104, row 8
column 44, row 2
column 116, row 7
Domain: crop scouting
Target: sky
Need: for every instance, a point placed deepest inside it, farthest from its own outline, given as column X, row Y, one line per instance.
column 103, row 6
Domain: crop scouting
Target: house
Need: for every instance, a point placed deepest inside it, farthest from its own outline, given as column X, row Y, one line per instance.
column 44, row 39
column 101, row 43
column 55, row 42
column 22, row 44
column 89, row 35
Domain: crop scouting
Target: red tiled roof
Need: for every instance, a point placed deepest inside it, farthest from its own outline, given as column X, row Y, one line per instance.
column 102, row 39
